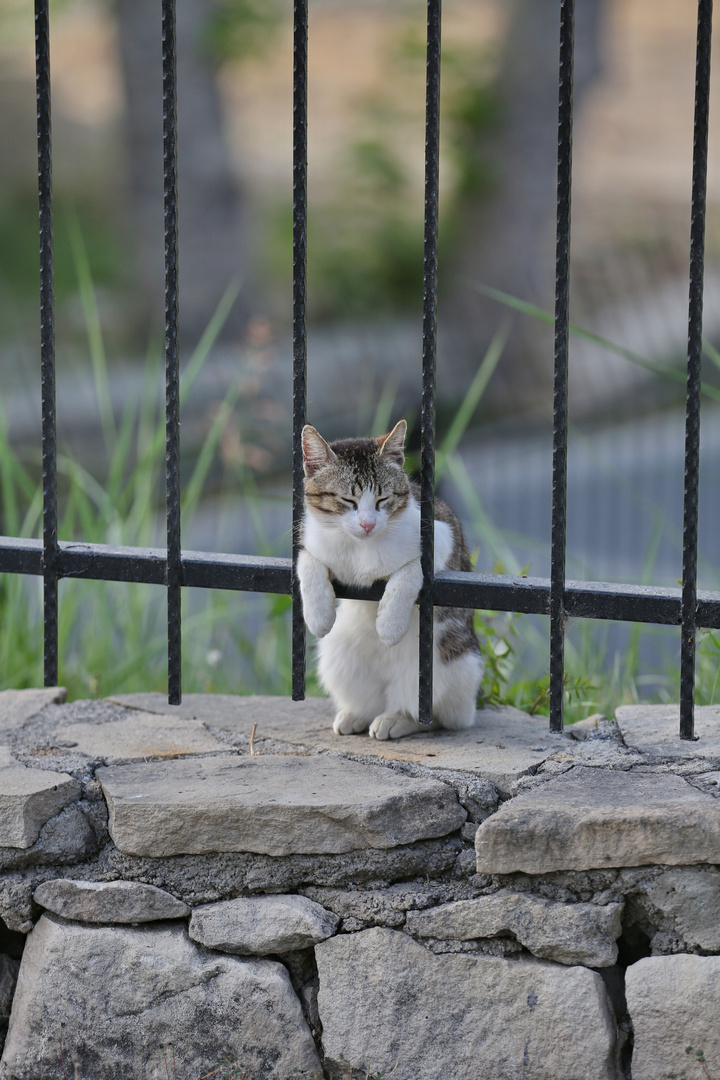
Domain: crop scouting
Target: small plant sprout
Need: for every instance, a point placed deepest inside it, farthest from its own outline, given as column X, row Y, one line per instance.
column 691, row 1051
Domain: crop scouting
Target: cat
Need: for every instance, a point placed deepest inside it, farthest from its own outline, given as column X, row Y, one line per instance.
column 361, row 524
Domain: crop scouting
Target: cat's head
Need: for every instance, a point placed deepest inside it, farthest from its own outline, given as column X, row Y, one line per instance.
column 356, row 485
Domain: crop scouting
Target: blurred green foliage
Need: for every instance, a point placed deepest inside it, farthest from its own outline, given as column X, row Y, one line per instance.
column 237, row 29
column 19, row 258
column 365, row 235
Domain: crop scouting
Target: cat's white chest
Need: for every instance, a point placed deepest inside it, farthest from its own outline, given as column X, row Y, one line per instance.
column 360, row 561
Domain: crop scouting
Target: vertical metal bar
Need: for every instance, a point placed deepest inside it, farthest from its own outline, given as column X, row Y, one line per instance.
column 560, row 385
column 47, row 343
column 299, row 326
column 692, row 408
column 172, row 374
column 427, row 416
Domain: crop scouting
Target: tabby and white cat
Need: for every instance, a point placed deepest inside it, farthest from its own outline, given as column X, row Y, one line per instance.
column 362, row 524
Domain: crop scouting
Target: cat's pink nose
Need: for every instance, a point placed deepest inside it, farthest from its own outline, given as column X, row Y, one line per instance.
column 368, row 526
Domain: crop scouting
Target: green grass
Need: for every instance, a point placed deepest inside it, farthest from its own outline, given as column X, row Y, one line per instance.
column 112, row 635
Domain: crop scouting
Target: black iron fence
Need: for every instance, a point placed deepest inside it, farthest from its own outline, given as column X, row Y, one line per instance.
column 177, row 569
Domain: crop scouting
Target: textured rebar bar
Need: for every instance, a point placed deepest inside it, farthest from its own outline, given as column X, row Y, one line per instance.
column 47, row 344
column 560, row 383
column 172, row 373
column 299, row 326
column 692, row 407
column 429, row 350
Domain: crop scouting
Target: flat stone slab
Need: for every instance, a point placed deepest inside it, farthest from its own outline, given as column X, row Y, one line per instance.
column 108, row 901
column 262, row 925
column 29, row 798
column 674, row 1003
column 655, row 730
column 272, row 805
column 142, row 735
column 567, row 933
column 388, row 1005
column 594, row 818
column 124, row 994
column 18, row 706
column 504, row 744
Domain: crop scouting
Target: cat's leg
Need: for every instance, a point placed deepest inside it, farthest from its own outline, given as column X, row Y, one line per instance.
column 348, row 667
column 455, row 689
column 318, row 595
column 399, row 717
column 396, row 607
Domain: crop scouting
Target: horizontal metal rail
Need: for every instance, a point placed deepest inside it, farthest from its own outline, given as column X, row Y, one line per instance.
column 245, row 573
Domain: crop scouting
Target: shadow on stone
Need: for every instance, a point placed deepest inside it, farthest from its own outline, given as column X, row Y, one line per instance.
column 633, row 945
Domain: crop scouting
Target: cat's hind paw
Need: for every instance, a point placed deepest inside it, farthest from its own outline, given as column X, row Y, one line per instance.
column 393, row 726
column 347, row 723
column 392, row 623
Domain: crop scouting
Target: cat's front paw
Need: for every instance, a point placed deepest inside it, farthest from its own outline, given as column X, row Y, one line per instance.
column 347, row 723
column 393, row 726
column 392, row 623
column 320, row 614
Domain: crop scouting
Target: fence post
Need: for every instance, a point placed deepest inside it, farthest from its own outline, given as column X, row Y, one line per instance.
column 427, row 417
column 172, row 374
column 300, row 56
column 694, row 363
column 47, row 344
column 560, row 385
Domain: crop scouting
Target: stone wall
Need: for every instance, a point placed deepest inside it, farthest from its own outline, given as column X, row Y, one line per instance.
column 175, row 893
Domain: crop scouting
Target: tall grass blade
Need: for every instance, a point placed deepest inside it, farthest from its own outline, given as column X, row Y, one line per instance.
column 88, row 299
column 674, row 374
column 472, row 399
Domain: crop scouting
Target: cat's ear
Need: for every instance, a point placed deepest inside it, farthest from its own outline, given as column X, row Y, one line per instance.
column 316, row 451
column 392, row 446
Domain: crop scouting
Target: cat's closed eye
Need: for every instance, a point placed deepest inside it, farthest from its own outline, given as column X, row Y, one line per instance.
column 348, row 502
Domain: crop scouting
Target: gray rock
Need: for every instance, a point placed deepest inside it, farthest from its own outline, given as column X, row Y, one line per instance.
column 655, row 730
column 465, row 864
column 386, row 1002
column 142, row 735
column 708, row 780
column 691, row 899
column 125, row 993
column 504, row 744
column 499, row 946
column 76, row 833
column 597, row 726
column 108, row 901
column 595, row 818
column 29, row 798
column 379, row 907
column 16, row 904
column 277, row 805
column 568, row 933
column 674, row 1002
column 18, row 706
column 8, row 977
column 262, row 925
